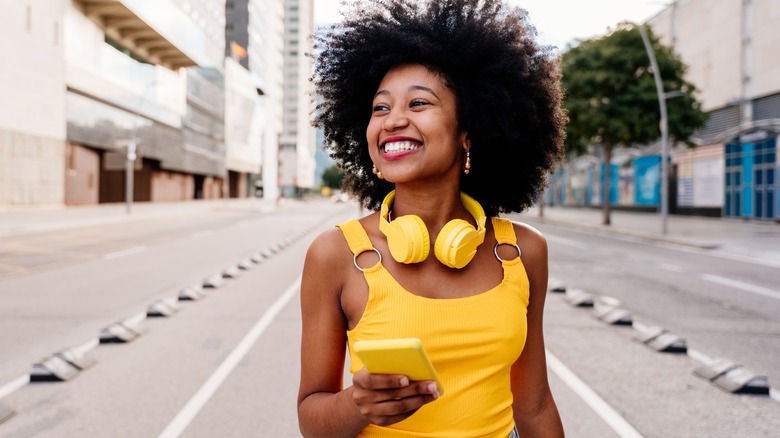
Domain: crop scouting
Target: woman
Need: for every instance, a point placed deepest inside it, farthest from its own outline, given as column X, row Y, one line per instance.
column 442, row 115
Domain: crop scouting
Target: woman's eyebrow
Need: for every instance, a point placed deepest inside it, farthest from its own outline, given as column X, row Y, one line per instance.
column 423, row 88
column 411, row 88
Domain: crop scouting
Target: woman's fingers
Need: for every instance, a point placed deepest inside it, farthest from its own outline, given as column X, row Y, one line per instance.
column 388, row 398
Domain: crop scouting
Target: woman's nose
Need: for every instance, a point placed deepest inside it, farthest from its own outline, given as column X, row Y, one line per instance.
column 395, row 120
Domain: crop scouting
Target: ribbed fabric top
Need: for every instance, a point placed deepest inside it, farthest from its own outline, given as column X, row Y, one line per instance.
column 472, row 342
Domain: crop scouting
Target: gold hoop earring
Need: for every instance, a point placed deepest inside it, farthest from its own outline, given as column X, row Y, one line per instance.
column 376, row 172
column 467, row 166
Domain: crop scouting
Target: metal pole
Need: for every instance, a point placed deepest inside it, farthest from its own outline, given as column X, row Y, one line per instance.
column 664, row 132
column 131, row 150
column 129, row 171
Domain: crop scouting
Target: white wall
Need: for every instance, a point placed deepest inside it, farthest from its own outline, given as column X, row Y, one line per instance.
column 32, row 92
column 708, row 37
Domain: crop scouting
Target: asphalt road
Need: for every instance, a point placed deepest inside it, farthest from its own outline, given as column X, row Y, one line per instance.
column 227, row 364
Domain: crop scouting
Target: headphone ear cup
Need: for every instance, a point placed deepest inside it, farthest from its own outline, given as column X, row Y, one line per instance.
column 457, row 243
column 408, row 239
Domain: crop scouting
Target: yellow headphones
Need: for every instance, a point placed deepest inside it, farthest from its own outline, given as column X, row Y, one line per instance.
column 409, row 242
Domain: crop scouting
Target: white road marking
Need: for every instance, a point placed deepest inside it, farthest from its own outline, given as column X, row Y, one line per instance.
column 126, row 252
column 670, row 267
column 14, row 385
column 599, row 406
column 565, row 241
column 741, row 285
column 196, row 403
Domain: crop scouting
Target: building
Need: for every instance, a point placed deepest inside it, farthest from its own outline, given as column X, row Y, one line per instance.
column 95, row 83
column 32, row 116
column 297, row 145
column 730, row 48
column 254, row 37
column 134, row 82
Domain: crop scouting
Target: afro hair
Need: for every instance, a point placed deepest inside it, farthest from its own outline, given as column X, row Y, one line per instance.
column 506, row 86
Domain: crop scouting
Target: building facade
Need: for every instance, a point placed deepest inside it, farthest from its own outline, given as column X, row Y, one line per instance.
column 297, row 145
column 90, row 84
column 254, row 37
column 32, row 89
column 137, row 84
column 730, row 48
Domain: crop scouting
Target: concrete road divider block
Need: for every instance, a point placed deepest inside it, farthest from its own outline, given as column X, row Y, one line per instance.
column 660, row 339
column 76, row 358
column 231, row 272
column 267, row 253
column 191, row 293
column 246, row 264
column 214, row 282
column 118, row 333
column 579, row 298
column 257, row 258
column 555, row 285
column 5, row 413
column 608, row 309
column 733, row 378
column 52, row 369
column 162, row 308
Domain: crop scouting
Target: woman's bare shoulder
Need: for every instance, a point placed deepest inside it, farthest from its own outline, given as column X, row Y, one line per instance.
column 531, row 241
column 328, row 247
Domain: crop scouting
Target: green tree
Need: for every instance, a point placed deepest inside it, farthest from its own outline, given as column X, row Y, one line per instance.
column 332, row 177
column 612, row 100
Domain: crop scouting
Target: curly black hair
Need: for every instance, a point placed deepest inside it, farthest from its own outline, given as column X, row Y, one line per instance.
column 506, row 86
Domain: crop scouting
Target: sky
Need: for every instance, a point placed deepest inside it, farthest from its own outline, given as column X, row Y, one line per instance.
column 557, row 21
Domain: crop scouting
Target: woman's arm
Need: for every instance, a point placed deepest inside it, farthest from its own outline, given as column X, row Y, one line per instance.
column 536, row 414
column 324, row 409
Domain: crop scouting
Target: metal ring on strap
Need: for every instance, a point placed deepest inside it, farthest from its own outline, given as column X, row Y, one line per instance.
column 354, row 258
column 495, row 251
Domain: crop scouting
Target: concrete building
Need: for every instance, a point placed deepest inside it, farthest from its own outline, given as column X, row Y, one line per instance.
column 297, row 144
column 97, row 81
column 254, row 36
column 32, row 114
column 731, row 48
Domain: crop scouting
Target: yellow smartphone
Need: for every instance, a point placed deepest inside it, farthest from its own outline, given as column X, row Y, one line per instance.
column 404, row 356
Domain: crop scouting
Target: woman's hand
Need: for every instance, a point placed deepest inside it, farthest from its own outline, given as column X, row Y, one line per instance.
column 386, row 399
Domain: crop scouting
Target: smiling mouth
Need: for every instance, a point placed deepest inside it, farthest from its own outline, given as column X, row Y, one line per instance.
column 400, row 146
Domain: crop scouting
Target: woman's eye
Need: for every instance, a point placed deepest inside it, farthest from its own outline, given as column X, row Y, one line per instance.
column 415, row 103
column 380, row 107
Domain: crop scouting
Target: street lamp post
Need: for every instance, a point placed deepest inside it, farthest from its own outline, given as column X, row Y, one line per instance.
column 132, row 150
column 664, row 131
column 129, row 170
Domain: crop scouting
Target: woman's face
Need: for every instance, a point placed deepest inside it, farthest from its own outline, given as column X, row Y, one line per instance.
column 413, row 133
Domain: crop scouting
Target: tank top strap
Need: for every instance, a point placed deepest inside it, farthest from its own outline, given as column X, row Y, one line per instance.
column 356, row 237
column 504, row 231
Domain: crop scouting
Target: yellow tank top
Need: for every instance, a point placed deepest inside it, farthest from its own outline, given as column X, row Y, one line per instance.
column 472, row 342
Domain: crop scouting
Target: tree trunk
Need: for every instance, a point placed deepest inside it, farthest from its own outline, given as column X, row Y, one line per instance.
column 605, row 219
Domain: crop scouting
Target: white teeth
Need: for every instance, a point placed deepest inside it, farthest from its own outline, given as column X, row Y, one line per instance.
column 399, row 146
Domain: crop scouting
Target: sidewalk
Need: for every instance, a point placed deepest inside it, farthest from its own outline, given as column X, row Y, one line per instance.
column 749, row 239
column 25, row 220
